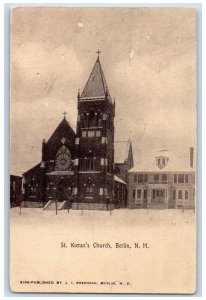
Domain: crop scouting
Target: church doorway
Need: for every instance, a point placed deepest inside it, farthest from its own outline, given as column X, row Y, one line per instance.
column 61, row 190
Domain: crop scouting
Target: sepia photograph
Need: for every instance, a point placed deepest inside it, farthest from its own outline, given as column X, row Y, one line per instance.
column 103, row 150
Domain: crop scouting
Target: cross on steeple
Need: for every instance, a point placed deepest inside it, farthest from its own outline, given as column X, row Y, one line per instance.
column 64, row 113
column 98, row 53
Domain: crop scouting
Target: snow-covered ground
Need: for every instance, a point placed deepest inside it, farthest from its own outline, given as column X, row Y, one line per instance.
column 166, row 265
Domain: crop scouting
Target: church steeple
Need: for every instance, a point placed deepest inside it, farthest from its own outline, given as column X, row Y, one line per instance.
column 95, row 140
column 96, row 86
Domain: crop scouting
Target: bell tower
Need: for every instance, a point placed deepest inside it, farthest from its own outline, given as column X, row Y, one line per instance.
column 94, row 163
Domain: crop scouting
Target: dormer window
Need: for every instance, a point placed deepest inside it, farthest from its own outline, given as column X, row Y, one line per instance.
column 161, row 161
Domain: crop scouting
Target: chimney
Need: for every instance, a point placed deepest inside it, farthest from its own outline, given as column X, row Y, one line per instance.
column 191, row 156
column 43, row 153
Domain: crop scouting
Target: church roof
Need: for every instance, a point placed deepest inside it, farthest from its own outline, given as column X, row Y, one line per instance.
column 121, row 151
column 62, row 129
column 63, row 134
column 96, row 86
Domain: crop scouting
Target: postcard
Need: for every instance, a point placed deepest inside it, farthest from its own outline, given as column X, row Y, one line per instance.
column 103, row 150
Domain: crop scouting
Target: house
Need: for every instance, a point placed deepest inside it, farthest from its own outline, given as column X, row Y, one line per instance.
column 15, row 190
column 162, row 181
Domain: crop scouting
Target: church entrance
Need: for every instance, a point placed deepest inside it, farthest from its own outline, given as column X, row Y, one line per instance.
column 63, row 191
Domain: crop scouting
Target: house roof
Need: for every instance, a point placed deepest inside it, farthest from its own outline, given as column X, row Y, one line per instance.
column 121, row 151
column 96, row 85
column 176, row 163
column 116, row 178
column 34, row 169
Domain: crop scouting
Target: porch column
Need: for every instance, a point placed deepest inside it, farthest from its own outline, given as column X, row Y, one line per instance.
column 149, row 195
column 166, row 195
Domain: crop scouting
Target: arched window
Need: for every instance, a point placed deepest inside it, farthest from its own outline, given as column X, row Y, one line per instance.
column 89, row 188
column 92, row 118
column 90, row 163
column 84, row 120
column 108, row 163
column 99, row 119
column 63, row 161
column 109, row 122
column 33, row 186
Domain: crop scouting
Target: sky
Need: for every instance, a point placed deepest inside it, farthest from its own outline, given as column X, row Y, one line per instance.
column 148, row 56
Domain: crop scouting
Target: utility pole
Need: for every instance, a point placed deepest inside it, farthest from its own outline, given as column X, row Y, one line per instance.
column 56, row 204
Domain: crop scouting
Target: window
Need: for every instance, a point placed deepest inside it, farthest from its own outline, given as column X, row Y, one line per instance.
column 156, row 177
column 91, row 133
column 140, row 178
column 108, row 163
column 134, row 194
column 180, row 178
column 186, row 195
column 104, row 117
column 99, row 119
column 89, row 191
column 98, row 133
column 179, row 194
column 109, row 122
column 158, row 161
column 135, row 177
column 164, row 177
column 90, row 163
column 163, row 161
column 84, row 120
column 174, row 194
column 92, row 121
column 145, row 194
column 139, row 194
column 84, row 133
column 63, row 161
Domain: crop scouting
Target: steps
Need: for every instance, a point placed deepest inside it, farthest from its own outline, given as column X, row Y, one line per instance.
column 64, row 205
column 92, row 206
column 51, row 205
column 47, row 204
column 157, row 206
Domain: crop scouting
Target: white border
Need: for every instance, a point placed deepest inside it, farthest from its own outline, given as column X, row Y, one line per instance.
column 162, row 2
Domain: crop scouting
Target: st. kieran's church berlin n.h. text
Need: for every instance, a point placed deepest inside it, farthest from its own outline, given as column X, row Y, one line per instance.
column 78, row 170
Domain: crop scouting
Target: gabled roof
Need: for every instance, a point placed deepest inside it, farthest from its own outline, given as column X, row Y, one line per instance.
column 176, row 163
column 96, row 86
column 63, row 131
column 121, row 151
column 33, row 170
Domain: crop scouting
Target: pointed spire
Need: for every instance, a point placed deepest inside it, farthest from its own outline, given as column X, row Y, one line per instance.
column 96, row 86
column 78, row 95
column 106, row 92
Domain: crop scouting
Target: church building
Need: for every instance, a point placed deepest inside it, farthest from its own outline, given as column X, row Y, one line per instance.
column 77, row 169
